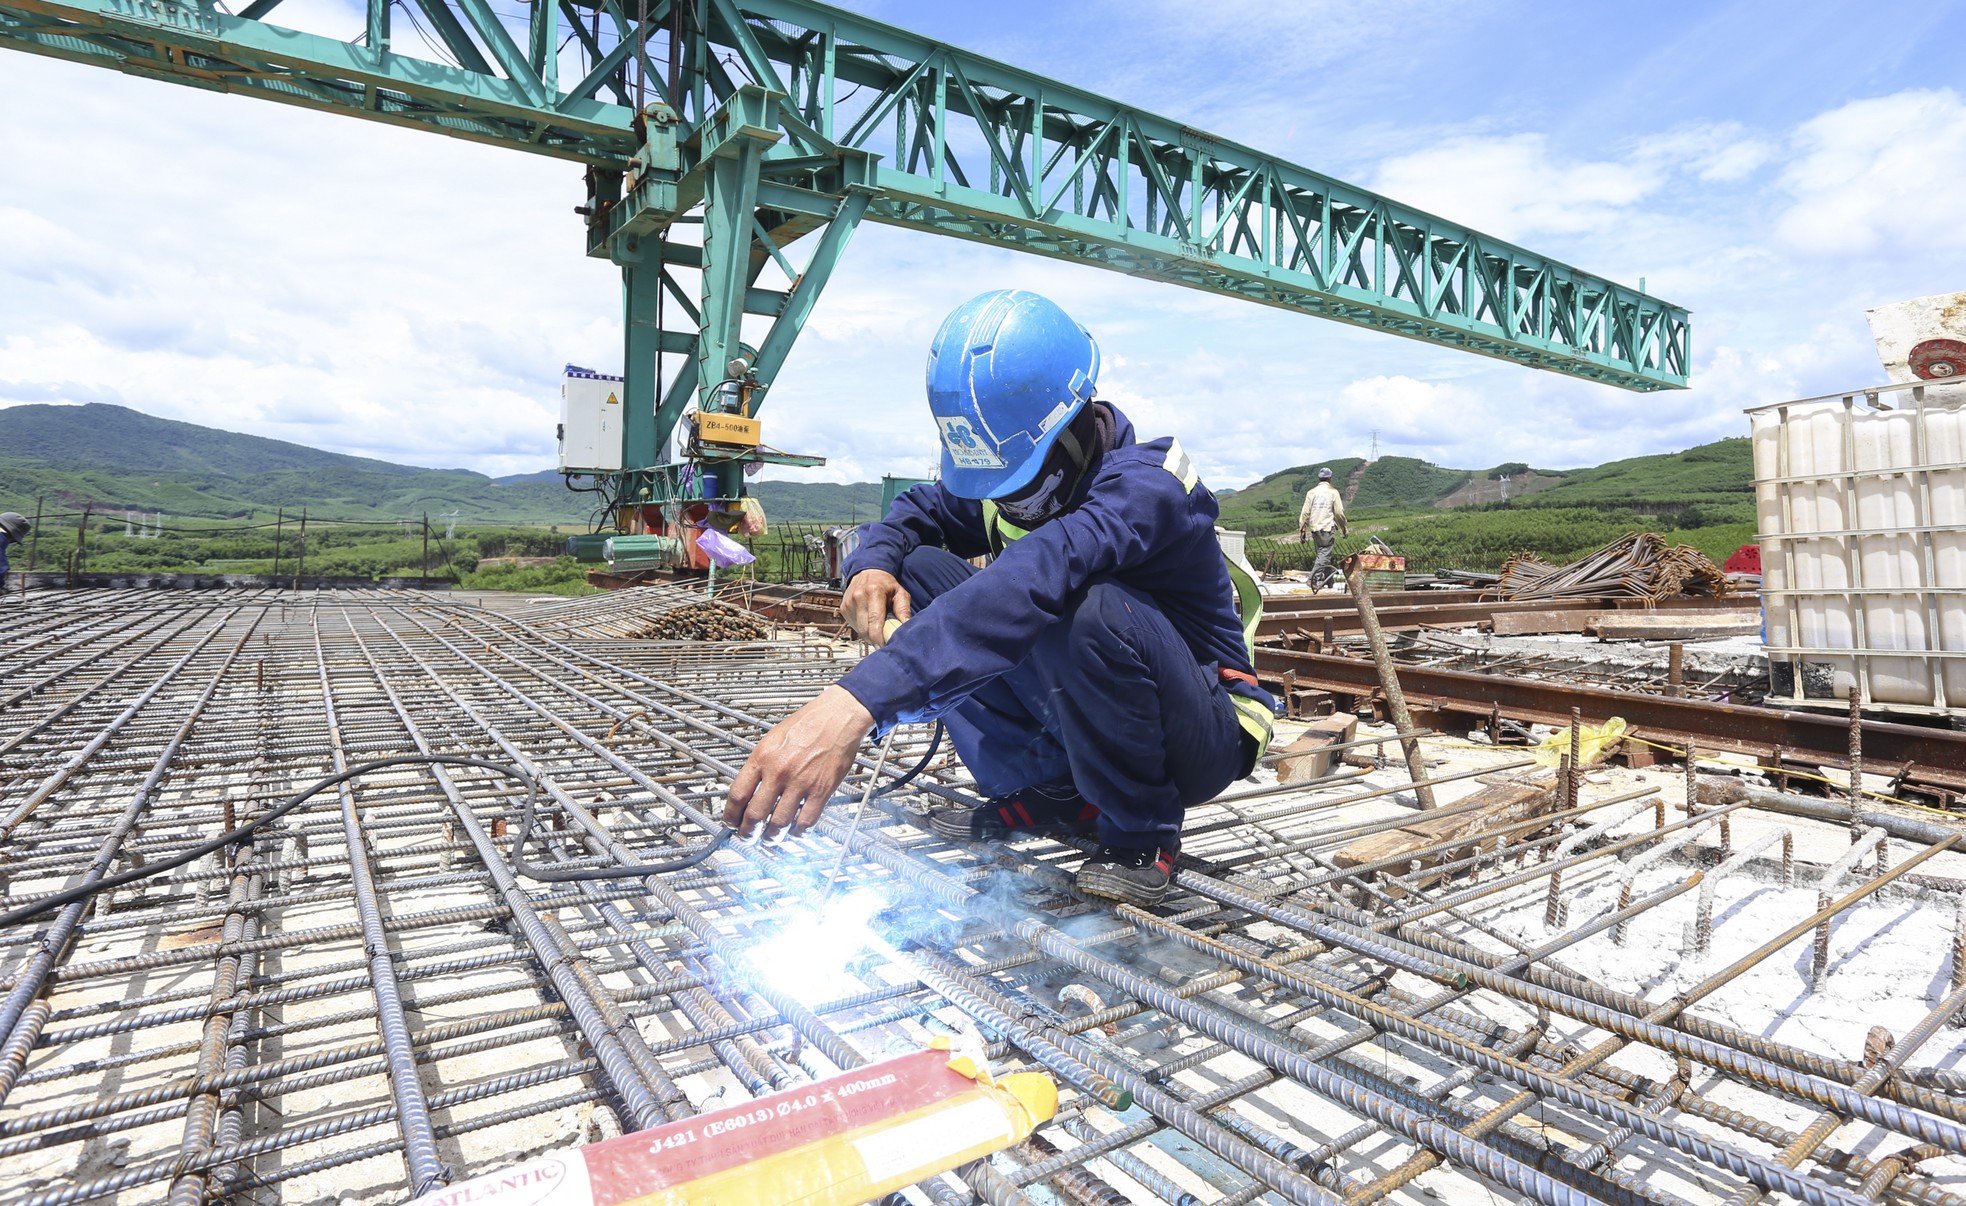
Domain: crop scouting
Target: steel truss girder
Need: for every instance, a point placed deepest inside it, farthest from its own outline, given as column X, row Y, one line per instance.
column 967, row 147
column 980, row 150
column 204, row 48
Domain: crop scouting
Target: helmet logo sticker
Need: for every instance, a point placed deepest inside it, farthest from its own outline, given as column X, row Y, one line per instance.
column 1051, row 420
column 965, row 450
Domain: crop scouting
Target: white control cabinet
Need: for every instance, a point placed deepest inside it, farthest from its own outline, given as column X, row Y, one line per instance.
column 590, row 422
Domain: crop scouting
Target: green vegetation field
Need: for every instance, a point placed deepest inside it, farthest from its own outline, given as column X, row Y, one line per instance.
column 373, row 551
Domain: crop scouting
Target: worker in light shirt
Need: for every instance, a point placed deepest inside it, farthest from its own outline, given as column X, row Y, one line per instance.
column 1097, row 676
column 1323, row 520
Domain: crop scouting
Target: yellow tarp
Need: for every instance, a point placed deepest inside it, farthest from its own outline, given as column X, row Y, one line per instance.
column 1594, row 741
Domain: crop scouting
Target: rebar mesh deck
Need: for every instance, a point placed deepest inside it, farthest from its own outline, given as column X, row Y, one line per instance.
column 362, row 1001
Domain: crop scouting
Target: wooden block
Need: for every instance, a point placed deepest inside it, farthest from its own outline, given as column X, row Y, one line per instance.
column 1535, row 623
column 1307, row 757
column 1494, row 807
column 1638, row 755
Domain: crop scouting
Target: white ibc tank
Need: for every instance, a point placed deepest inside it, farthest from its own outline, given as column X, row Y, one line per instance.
column 1861, row 505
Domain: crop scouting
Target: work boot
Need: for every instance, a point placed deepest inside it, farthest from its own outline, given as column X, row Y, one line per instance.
column 1140, row 877
column 1044, row 811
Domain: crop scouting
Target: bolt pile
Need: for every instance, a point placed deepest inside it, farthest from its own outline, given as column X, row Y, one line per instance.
column 1640, row 565
column 361, row 1001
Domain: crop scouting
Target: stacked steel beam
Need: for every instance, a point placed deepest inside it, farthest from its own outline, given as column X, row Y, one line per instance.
column 363, row 1000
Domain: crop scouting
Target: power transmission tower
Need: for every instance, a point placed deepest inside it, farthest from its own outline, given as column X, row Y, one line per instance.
column 1375, row 443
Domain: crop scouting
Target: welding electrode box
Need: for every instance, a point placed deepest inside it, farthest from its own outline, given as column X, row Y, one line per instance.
column 590, row 421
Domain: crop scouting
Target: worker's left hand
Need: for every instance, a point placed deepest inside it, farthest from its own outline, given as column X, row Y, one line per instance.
column 798, row 766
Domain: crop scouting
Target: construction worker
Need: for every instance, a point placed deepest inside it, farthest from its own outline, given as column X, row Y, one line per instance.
column 1096, row 678
column 13, row 530
column 1323, row 519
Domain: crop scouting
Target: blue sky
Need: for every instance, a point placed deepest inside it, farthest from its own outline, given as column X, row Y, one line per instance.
column 1776, row 168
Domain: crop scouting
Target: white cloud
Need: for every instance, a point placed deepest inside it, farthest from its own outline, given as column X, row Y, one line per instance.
column 274, row 266
column 1720, row 152
column 1885, row 173
column 1514, row 186
column 1521, row 186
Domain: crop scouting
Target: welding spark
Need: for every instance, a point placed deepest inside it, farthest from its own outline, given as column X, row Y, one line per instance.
column 807, row 959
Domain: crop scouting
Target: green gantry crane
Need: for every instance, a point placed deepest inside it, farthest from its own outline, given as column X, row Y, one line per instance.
column 719, row 133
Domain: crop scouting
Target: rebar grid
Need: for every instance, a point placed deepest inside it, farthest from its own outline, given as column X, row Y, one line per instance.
column 362, row 1000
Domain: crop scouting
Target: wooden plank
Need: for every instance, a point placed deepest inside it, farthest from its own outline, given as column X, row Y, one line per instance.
column 1536, row 623
column 1495, row 806
column 1654, row 626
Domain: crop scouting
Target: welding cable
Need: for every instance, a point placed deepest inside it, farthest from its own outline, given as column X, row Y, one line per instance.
column 567, row 875
column 934, row 743
column 84, row 891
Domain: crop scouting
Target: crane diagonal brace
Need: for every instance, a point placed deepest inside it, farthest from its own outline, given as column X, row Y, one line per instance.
column 720, row 173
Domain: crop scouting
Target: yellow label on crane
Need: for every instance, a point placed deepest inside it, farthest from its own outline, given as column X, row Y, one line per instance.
column 727, row 429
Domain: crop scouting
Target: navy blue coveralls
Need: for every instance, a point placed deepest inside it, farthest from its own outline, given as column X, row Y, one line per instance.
column 1088, row 654
column 4, row 542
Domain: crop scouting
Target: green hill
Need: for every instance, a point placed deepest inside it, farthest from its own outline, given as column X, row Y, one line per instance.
column 117, row 459
column 1438, row 518
column 1404, row 481
column 97, row 435
column 1721, row 472
column 1280, row 495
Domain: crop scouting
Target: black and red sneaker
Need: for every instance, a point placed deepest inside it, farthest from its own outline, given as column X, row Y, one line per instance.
column 1140, row 877
column 1035, row 810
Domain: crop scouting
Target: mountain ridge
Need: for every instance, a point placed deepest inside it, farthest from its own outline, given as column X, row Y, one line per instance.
column 94, row 454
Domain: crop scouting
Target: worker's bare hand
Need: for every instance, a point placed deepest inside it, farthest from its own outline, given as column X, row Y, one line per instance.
column 869, row 597
column 788, row 778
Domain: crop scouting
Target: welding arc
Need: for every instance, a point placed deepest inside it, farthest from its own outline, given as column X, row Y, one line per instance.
column 519, row 866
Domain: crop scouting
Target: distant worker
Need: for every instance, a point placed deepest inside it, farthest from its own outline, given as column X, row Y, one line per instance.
column 1323, row 519
column 1096, row 678
column 13, row 530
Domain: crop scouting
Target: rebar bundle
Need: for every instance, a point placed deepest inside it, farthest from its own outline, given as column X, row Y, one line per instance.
column 362, row 1000
column 705, row 622
column 1640, row 565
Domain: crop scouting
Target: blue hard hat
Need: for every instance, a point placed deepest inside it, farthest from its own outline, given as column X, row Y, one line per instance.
column 1006, row 373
